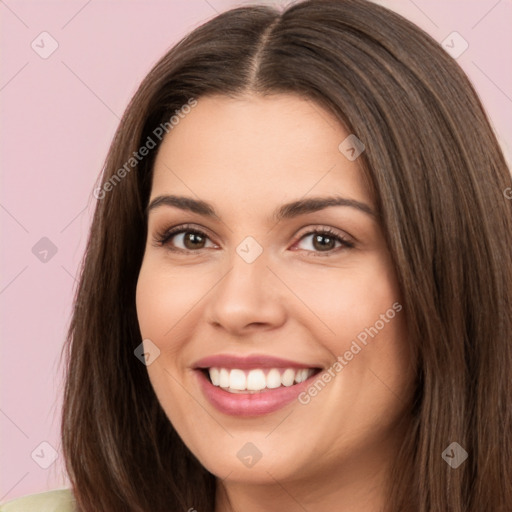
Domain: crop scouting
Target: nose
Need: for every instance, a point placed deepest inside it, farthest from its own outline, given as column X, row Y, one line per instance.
column 249, row 296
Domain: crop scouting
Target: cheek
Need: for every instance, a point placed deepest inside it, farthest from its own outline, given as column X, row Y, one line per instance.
column 163, row 299
column 151, row 302
column 159, row 309
column 346, row 301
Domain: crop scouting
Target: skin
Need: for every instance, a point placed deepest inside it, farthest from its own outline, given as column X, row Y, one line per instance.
column 298, row 300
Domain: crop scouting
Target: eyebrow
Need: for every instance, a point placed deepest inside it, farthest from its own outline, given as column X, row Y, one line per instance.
column 285, row 211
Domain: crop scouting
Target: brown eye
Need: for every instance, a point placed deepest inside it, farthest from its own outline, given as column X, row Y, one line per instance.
column 184, row 239
column 193, row 240
column 324, row 241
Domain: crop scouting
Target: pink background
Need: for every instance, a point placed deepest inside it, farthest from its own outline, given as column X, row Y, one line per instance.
column 58, row 117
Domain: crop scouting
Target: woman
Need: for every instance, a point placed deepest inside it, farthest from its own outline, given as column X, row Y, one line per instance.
column 297, row 287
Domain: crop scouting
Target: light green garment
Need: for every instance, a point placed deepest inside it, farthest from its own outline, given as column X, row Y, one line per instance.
column 51, row 501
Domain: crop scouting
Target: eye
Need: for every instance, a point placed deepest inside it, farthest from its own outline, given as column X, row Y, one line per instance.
column 190, row 239
column 324, row 240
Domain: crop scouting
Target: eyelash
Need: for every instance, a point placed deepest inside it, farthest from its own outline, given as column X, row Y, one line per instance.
column 162, row 238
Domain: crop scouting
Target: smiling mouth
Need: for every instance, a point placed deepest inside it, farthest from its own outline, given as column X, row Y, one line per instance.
column 256, row 380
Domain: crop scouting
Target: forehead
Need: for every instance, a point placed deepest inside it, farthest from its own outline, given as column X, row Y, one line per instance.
column 254, row 150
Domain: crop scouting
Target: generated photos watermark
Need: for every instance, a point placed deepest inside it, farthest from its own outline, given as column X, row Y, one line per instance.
column 343, row 360
column 454, row 455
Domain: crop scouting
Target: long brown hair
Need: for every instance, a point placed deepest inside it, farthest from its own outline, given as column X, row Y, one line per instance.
column 439, row 178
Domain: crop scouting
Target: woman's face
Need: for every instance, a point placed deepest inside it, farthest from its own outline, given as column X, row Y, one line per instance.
column 247, row 294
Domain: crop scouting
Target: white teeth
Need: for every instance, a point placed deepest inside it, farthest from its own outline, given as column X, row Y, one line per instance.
column 215, row 376
column 223, row 378
column 301, row 376
column 288, row 377
column 256, row 380
column 236, row 380
column 273, row 379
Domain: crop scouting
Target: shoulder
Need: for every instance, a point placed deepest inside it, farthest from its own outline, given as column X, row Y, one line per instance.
column 51, row 501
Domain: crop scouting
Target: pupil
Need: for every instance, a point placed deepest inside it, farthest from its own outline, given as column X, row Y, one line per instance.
column 193, row 238
column 317, row 240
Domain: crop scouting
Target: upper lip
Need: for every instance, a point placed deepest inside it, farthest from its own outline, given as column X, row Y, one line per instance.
column 247, row 362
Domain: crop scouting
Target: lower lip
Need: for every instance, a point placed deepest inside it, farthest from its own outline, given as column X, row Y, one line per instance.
column 250, row 404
